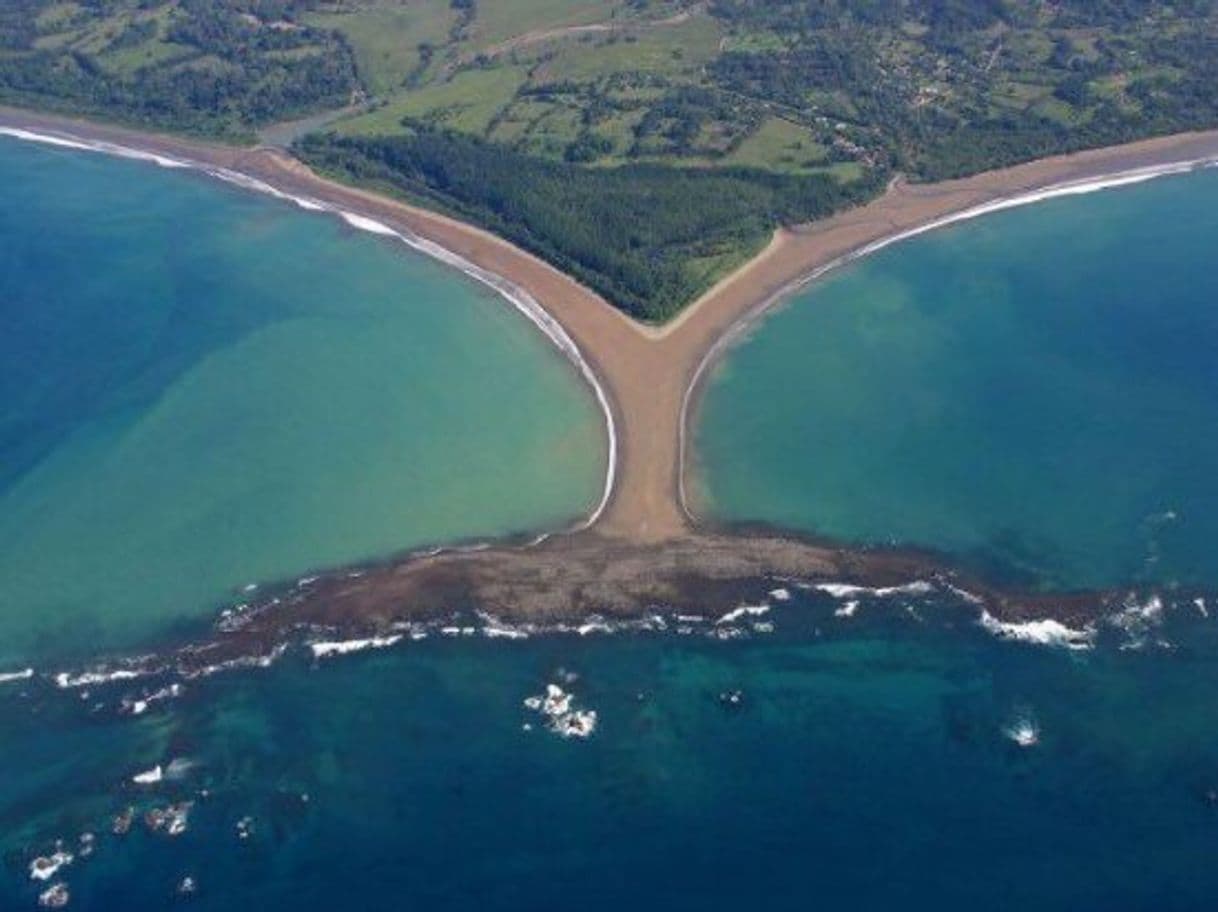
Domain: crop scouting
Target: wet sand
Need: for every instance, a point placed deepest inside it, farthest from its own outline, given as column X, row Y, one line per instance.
column 648, row 372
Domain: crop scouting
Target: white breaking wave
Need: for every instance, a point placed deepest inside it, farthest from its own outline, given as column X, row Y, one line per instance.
column 250, row 661
column 46, row 867
column 504, row 632
column 177, row 768
column 563, row 718
column 346, row 647
column 1023, row 731
column 65, row 680
column 847, row 610
column 1138, row 620
column 150, row 777
column 743, row 611
column 1045, row 632
column 24, row 675
column 366, row 224
column 70, row 142
column 515, row 295
column 847, row 590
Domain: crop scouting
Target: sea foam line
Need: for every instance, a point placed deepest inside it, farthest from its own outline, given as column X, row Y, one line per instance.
column 325, row 649
column 515, row 294
column 1052, row 191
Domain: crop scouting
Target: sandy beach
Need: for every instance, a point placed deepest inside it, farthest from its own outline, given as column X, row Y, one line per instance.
column 649, row 375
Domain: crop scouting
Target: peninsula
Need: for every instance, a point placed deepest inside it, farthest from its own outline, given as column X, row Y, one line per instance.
column 642, row 546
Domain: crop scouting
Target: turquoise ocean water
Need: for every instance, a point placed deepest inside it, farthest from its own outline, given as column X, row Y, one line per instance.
column 1034, row 392
column 202, row 388
column 853, row 752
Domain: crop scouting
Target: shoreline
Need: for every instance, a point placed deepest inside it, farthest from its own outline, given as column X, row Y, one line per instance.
column 645, row 378
column 712, row 585
column 751, row 318
column 642, row 546
column 514, row 294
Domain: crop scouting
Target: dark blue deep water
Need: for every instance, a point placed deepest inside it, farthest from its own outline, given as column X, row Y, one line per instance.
column 867, row 765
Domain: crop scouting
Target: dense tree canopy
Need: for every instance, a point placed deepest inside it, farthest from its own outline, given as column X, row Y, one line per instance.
column 631, row 233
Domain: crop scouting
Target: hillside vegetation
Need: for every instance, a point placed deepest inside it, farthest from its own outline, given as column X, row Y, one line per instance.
column 566, row 123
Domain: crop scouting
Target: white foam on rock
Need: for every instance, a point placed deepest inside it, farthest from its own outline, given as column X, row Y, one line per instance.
column 55, row 896
column 743, row 611
column 47, row 866
column 66, row 680
column 563, row 718
column 137, row 706
column 327, row 649
column 1044, row 632
column 172, row 820
column 594, row 624
column 150, row 777
column 504, row 632
column 848, row 590
column 847, row 609
column 1137, row 619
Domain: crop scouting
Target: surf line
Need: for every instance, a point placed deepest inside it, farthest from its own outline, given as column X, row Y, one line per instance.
column 515, row 294
column 750, row 317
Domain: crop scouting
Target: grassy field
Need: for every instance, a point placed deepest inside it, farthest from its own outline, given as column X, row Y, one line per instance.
column 498, row 22
column 671, row 52
column 386, row 36
column 720, row 92
column 466, row 102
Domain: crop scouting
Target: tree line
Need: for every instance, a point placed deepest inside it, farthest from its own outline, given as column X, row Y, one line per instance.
column 632, row 233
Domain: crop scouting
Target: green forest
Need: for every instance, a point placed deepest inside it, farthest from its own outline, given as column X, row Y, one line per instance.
column 646, row 146
column 208, row 67
column 647, row 237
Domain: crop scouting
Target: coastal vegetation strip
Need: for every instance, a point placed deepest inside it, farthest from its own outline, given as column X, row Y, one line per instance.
column 773, row 104
column 649, row 238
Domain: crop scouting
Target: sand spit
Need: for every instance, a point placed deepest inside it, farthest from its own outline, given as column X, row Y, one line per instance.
column 643, row 375
column 642, row 546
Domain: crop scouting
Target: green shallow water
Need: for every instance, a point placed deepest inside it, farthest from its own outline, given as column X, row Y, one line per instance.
column 200, row 388
column 1034, row 392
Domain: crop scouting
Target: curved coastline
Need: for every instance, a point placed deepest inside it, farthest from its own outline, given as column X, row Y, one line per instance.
column 642, row 546
column 643, row 375
column 513, row 293
column 751, row 318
